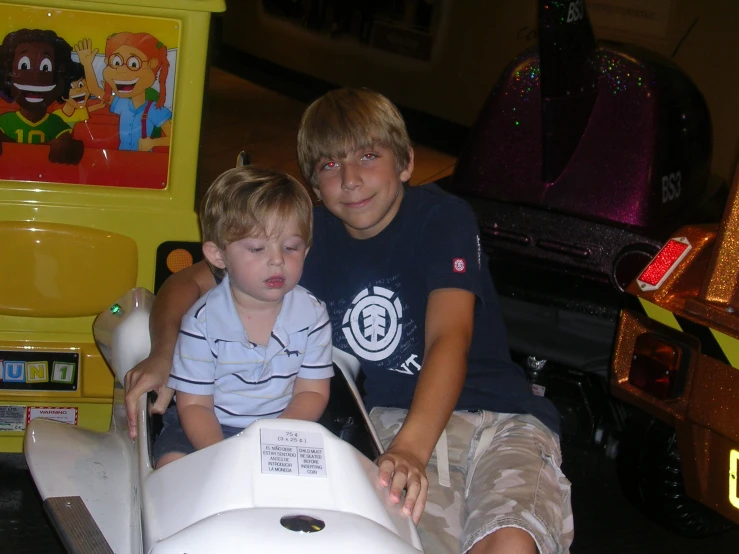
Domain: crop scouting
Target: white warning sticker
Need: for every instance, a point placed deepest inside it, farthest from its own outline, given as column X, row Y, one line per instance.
column 12, row 418
column 65, row 415
column 292, row 453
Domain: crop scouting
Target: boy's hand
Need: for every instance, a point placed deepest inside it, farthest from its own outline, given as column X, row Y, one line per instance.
column 150, row 374
column 401, row 469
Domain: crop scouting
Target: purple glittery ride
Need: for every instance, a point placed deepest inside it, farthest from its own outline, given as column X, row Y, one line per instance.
column 586, row 155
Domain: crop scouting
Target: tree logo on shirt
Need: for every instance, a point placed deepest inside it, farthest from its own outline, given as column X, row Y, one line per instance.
column 373, row 324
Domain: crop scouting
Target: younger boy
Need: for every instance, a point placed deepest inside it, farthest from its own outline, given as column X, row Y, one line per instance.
column 257, row 345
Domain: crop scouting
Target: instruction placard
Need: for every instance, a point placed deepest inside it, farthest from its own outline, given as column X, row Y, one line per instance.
column 292, row 453
column 12, row 418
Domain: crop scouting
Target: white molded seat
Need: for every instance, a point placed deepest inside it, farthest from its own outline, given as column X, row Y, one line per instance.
column 223, row 496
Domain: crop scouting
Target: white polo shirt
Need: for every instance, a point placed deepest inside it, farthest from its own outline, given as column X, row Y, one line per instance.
column 214, row 356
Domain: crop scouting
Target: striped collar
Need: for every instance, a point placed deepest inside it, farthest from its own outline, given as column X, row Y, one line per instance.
column 297, row 312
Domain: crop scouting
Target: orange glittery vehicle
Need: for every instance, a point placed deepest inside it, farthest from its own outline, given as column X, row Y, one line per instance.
column 676, row 361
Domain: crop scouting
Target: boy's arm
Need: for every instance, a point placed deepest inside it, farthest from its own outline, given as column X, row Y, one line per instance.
column 449, row 325
column 310, row 397
column 199, row 421
column 86, row 54
column 178, row 293
column 312, row 386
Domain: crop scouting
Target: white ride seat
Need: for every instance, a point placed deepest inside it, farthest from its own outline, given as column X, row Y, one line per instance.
column 222, row 497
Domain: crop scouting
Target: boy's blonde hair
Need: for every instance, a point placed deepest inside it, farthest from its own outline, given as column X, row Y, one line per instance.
column 344, row 120
column 249, row 201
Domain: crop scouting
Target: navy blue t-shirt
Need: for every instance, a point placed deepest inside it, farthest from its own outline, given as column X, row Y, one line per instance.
column 376, row 291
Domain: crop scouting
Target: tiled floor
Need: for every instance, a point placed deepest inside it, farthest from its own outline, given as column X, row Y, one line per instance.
column 241, row 115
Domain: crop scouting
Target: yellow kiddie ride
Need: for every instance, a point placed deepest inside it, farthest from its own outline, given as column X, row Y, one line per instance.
column 100, row 107
column 677, row 361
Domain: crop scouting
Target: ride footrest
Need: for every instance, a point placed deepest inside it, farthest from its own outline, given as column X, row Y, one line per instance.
column 76, row 527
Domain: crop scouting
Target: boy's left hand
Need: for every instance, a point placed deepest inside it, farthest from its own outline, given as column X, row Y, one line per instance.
column 401, row 469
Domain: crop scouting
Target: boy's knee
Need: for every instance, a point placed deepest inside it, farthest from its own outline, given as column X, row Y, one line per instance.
column 168, row 458
column 508, row 540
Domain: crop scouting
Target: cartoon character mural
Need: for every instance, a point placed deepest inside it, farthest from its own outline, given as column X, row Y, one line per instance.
column 75, row 108
column 35, row 67
column 134, row 63
column 107, row 114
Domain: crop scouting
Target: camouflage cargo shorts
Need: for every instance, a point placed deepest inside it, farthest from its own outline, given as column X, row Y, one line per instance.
column 497, row 470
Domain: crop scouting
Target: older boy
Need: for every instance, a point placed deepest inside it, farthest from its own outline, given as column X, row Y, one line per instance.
column 257, row 345
column 409, row 293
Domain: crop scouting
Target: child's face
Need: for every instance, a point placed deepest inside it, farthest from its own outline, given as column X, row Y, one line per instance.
column 263, row 270
column 78, row 94
column 129, row 72
column 34, row 77
column 364, row 189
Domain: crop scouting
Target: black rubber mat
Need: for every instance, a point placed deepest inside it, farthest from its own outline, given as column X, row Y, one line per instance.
column 606, row 523
column 24, row 528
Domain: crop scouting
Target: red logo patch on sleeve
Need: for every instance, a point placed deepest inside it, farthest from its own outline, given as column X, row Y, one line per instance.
column 459, row 265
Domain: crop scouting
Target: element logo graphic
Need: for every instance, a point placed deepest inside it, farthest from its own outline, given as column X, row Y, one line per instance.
column 373, row 324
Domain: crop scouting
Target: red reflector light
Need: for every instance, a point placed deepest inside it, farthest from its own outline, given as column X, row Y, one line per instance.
column 664, row 263
column 655, row 365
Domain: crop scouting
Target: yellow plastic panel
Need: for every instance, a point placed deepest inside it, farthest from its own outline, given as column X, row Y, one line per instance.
column 97, row 378
column 190, row 5
column 58, row 270
column 93, row 381
column 95, row 417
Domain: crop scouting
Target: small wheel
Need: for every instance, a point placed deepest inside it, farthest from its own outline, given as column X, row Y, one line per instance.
column 648, row 465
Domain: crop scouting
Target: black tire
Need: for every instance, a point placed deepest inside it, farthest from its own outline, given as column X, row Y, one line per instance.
column 648, row 465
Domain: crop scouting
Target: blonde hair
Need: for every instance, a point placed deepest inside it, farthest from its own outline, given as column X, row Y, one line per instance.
column 344, row 120
column 249, row 201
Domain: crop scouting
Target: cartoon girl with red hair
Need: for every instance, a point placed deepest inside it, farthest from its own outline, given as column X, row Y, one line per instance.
column 134, row 61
